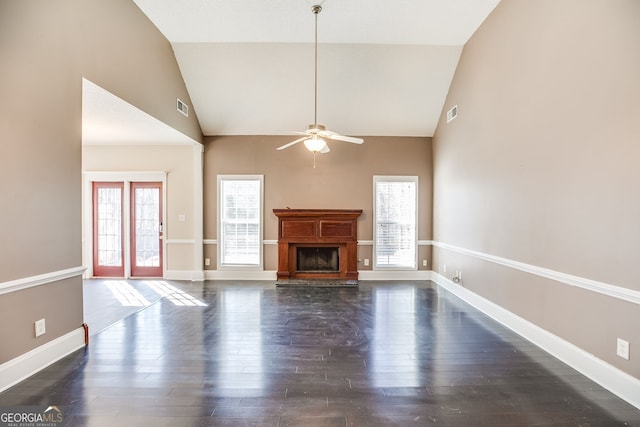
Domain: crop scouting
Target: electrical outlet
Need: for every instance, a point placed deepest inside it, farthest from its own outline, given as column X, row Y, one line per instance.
column 457, row 277
column 366, row 262
column 424, row 262
column 40, row 327
column 207, row 261
column 622, row 349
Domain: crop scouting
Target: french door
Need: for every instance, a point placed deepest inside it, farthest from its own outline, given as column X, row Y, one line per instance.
column 108, row 229
column 127, row 226
column 146, row 229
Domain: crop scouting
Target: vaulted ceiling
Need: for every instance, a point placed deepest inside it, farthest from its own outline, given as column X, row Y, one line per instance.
column 384, row 67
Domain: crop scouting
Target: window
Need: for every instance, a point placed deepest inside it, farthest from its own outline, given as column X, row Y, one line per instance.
column 240, row 220
column 396, row 213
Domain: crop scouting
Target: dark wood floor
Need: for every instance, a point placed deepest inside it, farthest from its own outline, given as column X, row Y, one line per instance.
column 241, row 354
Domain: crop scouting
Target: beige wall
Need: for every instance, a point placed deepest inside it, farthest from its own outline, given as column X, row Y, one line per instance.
column 59, row 303
column 343, row 179
column 46, row 50
column 541, row 166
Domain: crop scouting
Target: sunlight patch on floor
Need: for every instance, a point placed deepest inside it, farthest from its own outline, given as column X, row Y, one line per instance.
column 173, row 294
column 126, row 294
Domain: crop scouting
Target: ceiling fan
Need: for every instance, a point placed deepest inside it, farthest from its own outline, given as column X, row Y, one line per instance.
column 314, row 133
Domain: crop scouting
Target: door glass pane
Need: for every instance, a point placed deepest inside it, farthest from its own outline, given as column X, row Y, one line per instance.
column 147, row 227
column 110, row 227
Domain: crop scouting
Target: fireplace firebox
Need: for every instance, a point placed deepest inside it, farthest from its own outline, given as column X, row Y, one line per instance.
column 317, row 259
column 317, row 244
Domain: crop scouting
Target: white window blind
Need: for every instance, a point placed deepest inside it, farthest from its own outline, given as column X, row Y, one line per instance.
column 395, row 221
column 240, row 232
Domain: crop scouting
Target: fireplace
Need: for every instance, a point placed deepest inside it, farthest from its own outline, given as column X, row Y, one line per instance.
column 317, row 259
column 316, row 244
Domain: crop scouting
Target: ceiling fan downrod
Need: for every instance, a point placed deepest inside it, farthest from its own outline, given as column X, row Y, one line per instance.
column 316, row 9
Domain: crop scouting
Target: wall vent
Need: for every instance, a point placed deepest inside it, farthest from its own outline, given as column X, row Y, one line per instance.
column 183, row 108
column 452, row 113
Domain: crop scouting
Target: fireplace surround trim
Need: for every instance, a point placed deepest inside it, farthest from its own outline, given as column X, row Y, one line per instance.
column 321, row 227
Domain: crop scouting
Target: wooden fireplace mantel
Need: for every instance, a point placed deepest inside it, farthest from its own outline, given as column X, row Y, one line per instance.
column 318, row 227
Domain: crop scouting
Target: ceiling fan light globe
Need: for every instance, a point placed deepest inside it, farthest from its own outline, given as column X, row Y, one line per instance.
column 315, row 145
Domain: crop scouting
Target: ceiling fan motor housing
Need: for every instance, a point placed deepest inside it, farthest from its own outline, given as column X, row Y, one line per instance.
column 315, row 128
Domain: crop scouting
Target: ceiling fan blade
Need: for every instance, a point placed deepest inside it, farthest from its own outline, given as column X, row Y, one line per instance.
column 325, row 149
column 290, row 132
column 345, row 138
column 293, row 143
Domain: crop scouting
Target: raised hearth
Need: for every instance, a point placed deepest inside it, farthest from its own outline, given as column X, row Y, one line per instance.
column 317, row 244
column 317, row 283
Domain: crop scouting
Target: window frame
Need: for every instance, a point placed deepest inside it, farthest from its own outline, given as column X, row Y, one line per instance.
column 395, row 178
column 220, row 223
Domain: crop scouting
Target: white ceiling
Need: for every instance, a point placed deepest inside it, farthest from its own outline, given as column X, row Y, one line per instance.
column 384, row 67
column 257, row 88
column 107, row 119
column 421, row 22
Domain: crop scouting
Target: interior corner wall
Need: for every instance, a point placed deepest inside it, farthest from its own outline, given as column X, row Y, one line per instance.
column 538, row 175
column 46, row 48
column 342, row 179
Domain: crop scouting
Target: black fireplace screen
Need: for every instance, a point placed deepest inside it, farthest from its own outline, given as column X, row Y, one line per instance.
column 317, row 259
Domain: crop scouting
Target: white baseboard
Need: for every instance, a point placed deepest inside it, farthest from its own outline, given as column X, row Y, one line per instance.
column 394, row 275
column 197, row 276
column 618, row 382
column 191, row 275
column 240, row 275
column 23, row 366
